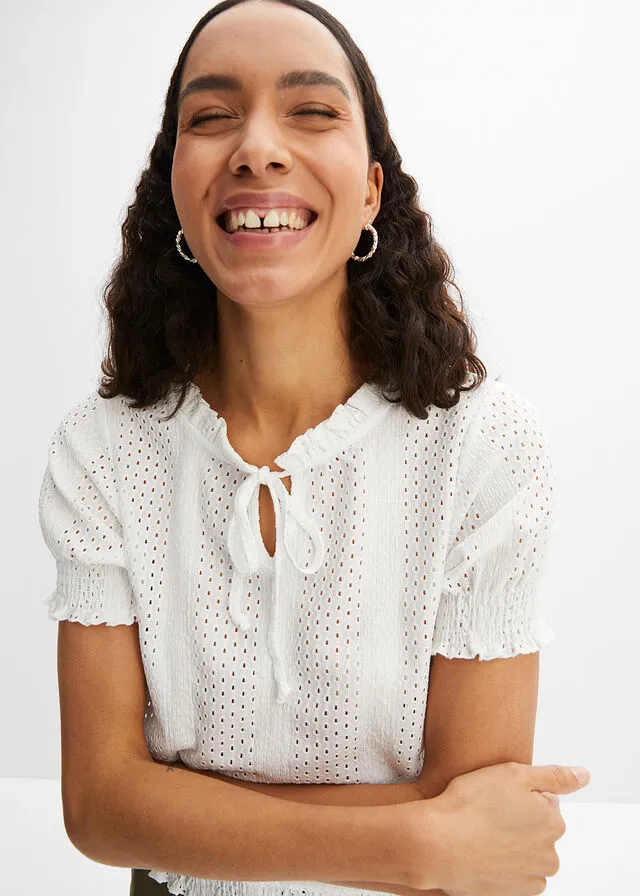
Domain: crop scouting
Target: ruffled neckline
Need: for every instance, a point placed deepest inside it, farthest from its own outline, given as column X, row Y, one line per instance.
column 347, row 422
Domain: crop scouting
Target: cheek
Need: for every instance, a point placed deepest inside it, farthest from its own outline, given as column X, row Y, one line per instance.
column 345, row 179
column 188, row 174
column 179, row 182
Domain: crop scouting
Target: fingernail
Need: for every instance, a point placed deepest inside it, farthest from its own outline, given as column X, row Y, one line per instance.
column 581, row 774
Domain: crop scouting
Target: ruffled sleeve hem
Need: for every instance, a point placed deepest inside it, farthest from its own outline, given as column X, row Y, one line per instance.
column 91, row 594
column 489, row 629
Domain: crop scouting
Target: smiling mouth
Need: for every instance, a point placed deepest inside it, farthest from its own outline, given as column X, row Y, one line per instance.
column 221, row 222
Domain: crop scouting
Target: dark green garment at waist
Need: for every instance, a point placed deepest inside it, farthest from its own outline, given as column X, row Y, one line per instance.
column 143, row 885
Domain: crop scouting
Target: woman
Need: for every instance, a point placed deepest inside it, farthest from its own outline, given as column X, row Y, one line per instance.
column 341, row 510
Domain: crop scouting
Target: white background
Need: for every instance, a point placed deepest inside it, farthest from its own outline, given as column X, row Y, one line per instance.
column 519, row 120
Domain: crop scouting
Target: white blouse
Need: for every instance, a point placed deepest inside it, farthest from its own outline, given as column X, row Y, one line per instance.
column 401, row 538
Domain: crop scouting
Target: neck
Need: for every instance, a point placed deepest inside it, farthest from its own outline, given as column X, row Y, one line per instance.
column 278, row 406
column 279, row 370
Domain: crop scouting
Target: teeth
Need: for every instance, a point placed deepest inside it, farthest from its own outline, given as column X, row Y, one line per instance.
column 251, row 219
column 293, row 219
column 273, row 219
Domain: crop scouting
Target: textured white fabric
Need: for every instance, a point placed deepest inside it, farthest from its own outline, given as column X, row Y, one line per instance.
column 401, row 538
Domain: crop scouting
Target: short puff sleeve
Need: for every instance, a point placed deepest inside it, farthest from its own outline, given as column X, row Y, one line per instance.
column 499, row 538
column 78, row 515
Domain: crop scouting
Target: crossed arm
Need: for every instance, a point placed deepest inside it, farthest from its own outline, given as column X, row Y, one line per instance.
column 479, row 713
column 347, row 795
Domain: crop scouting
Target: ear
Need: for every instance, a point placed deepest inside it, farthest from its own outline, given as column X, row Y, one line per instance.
column 374, row 197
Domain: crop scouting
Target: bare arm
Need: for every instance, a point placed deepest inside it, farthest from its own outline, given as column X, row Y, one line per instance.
column 122, row 808
column 323, row 794
column 151, row 815
column 426, row 787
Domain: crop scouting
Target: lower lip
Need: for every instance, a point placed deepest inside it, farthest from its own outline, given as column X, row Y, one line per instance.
column 282, row 240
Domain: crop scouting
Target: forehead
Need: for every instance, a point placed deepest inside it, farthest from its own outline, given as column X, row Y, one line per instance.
column 260, row 40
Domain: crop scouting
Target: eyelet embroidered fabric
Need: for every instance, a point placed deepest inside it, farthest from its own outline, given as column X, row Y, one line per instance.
column 401, row 538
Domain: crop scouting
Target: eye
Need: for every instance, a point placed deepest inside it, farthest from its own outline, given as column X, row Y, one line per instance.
column 200, row 118
column 328, row 113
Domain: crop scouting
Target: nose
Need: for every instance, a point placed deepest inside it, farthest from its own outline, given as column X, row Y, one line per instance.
column 261, row 146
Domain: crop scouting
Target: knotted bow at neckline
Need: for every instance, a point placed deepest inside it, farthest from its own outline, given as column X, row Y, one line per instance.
column 248, row 554
column 316, row 446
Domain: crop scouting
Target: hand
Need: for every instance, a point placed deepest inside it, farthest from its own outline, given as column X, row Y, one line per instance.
column 496, row 829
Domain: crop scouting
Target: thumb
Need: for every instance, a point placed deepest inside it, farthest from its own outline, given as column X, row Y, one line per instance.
column 558, row 778
column 553, row 798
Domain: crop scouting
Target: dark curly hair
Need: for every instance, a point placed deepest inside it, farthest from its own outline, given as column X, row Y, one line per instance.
column 404, row 331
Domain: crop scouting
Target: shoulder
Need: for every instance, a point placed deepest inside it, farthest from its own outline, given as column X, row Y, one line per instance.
column 507, row 420
column 109, row 437
column 78, row 420
column 507, row 441
column 87, row 425
column 493, row 411
column 92, row 410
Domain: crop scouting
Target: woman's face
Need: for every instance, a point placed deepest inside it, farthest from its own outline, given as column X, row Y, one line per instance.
column 272, row 138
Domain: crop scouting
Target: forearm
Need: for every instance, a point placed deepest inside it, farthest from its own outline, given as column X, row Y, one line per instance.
column 361, row 795
column 430, row 784
column 153, row 815
column 325, row 794
column 348, row 795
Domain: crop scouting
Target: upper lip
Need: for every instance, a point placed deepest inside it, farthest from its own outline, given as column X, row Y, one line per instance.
column 264, row 200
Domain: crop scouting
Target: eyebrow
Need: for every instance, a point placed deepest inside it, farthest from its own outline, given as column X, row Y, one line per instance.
column 297, row 78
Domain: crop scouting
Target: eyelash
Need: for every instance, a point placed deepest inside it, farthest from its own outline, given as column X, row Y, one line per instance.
column 200, row 118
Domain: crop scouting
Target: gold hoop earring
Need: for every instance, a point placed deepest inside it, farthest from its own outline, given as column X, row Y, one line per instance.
column 370, row 227
column 186, row 257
